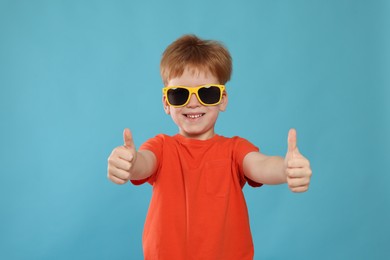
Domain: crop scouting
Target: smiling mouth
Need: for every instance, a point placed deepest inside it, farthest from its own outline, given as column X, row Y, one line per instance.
column 194, row 116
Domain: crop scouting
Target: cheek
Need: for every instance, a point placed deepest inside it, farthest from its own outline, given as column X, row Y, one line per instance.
column 175, row 113
column 213, row 114
column 214, row 110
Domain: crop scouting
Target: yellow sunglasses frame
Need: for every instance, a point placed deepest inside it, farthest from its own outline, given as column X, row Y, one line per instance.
column 194, row 90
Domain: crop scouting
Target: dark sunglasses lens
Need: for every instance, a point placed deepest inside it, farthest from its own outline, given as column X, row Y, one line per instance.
column 210, row 95
column 177, row 96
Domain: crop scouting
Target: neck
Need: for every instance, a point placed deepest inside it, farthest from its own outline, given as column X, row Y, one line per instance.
column 202, row 136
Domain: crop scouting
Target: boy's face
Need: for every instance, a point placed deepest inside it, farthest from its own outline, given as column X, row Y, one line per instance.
column 194, row 119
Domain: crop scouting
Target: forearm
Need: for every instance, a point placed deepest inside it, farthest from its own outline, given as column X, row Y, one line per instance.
column 273, row 170
column 293, row 169
column 265, row 169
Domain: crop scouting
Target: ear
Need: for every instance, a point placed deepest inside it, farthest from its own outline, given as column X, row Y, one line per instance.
column 224, row 102
column 166, row 106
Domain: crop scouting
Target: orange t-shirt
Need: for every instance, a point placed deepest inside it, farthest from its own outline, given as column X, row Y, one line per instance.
column 197, row 209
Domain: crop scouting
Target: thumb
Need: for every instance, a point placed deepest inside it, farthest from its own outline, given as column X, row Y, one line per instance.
column 292, row 140
column 128, row 138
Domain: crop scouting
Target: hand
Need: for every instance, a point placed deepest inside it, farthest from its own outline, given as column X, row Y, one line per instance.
column 121, row 160
column 298, row 169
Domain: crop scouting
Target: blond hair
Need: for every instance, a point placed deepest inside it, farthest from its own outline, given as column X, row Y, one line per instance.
column 189, row 51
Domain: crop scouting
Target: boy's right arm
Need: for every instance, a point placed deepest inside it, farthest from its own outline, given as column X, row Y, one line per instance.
column 125, row 163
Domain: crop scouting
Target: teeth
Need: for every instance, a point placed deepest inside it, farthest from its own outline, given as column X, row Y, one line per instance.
column 194, row 116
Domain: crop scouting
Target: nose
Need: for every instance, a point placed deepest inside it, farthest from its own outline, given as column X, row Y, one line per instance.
column 194, row 102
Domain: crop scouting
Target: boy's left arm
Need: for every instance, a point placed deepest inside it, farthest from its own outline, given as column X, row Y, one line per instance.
column 293, row 169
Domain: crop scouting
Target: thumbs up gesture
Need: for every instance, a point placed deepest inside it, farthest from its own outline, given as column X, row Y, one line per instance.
column 298, row 171
column 121, row 160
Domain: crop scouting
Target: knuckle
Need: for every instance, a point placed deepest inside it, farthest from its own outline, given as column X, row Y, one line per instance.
column 110, row 160
column 109, row 172
column 116, row 151
column 307, row 162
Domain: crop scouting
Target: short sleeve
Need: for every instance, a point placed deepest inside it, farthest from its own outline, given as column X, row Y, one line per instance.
column 242, row 148
column 155, row 145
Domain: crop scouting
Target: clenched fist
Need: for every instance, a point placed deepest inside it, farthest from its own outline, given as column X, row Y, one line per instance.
column 121, row 160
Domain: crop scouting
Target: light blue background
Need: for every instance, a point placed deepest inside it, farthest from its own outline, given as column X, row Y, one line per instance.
column 73, row 74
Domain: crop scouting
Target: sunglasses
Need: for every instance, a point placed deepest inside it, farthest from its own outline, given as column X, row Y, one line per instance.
column 208, row 95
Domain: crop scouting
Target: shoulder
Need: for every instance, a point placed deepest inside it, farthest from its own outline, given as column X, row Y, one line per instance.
column 156, row 142
column 240, row 146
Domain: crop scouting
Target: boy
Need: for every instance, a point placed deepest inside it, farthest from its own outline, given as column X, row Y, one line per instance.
column 197, row 210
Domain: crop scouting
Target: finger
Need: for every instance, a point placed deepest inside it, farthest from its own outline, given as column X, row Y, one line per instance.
column 119, row 163
column 297, row 182
column 298, row 163
column 128, row 138
column 292, row 140
column 300, row 189
column 298, row 173
column 122, row 153
column 118, row 173
column 125, row 154
column 116, row 180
